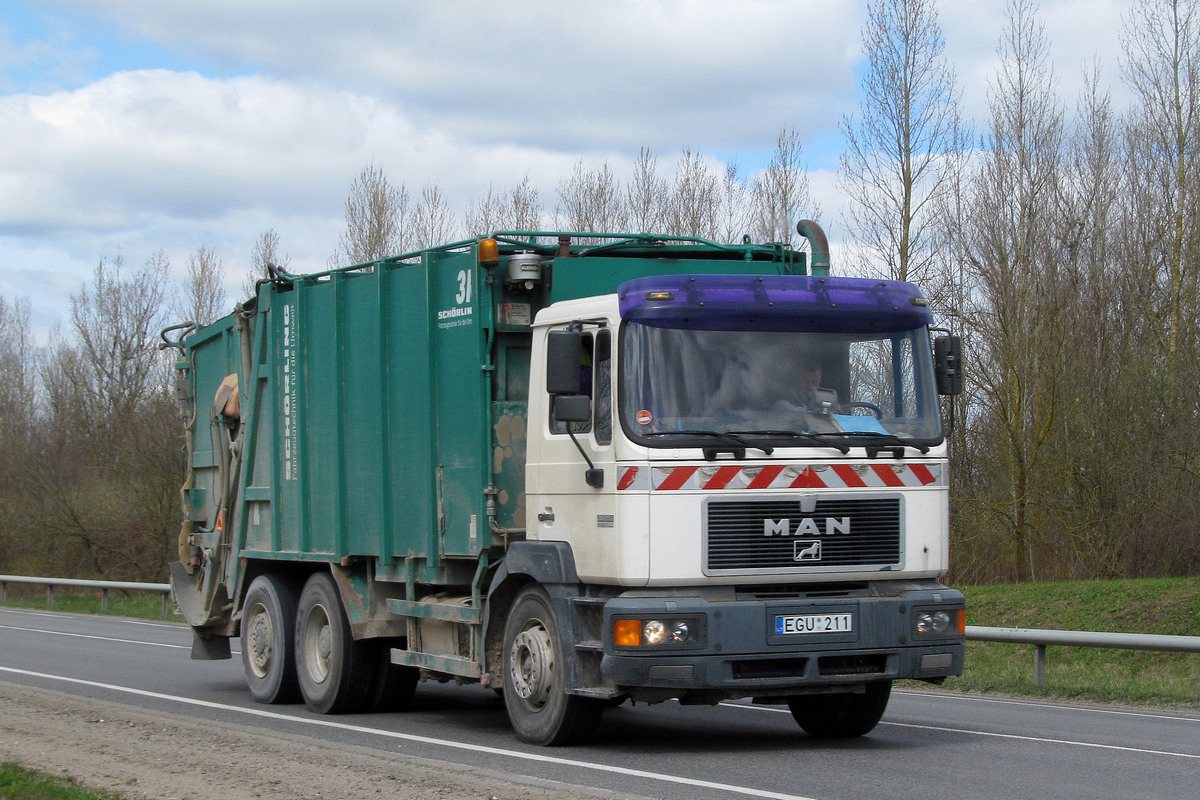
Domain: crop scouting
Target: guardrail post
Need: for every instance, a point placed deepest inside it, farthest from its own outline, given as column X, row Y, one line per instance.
column 166, row 596
column 49, row 595
column 104, row 601
column 1039, row 664
column 3, row 591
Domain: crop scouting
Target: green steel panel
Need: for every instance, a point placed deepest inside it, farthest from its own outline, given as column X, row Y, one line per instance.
column 462, row 385
column 592, row 276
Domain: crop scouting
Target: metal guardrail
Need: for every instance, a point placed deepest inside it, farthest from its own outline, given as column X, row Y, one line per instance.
column 1041, row 639
column 103, row 586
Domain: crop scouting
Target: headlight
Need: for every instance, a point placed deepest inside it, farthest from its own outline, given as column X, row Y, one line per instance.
column 654, row 632
column 933, row 622
column 661, row 632
column 937, row 623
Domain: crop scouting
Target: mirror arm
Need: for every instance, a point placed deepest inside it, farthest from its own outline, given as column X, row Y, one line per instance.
column 593, row 477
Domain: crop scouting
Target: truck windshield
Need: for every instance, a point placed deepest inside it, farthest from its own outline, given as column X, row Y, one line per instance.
column 679, row 382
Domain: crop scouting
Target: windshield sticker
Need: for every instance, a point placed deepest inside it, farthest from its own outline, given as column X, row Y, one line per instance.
column 643, row 417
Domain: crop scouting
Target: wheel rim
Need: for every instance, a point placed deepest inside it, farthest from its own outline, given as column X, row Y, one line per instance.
column 318, row 643
column 531, row 665
column 261, row 640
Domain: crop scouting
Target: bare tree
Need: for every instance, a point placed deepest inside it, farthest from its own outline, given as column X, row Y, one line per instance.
column 204, row 293
column 1018, row 305
column 488, row 213
column 781, row 195
column 526, row 207
column 265, row 252
column 734, row 214
column 377, row 219
column 433, row 222
column 694, row 202
column 590, row 201
column 108, row 479
column 18, row 415
column 646, row 194
column 17, row 369
column 1162, row 67
column 115, row 323
column 905, row 143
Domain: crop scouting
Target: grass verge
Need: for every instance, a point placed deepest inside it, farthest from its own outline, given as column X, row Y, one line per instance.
column 1134, row 677
column 18, row 783
column 142, row 605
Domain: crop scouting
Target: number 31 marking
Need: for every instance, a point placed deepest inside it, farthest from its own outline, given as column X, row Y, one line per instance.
column 464, row 287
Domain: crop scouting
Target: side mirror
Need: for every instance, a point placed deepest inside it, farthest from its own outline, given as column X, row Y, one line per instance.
column 572, row 407
column 947, row 362
column 562, row 362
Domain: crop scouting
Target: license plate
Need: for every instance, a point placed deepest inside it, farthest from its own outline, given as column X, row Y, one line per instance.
column 786, row 625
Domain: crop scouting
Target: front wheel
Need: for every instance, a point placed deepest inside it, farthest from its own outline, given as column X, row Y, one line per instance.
column 539, row 708
column 839, row 716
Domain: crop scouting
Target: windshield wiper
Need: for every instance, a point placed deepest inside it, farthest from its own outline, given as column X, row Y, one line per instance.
column 711, row 452
column 804, row 436
column 873, row 449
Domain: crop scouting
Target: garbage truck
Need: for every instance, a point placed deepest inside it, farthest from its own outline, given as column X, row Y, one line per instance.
column 580, row 469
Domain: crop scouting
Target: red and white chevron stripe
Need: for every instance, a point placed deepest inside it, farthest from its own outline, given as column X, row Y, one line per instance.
column 779, row 476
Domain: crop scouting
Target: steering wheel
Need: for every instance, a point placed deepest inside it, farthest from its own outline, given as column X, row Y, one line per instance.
column 874, row 409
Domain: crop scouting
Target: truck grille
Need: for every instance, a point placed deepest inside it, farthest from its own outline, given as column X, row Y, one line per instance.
column 749, row 536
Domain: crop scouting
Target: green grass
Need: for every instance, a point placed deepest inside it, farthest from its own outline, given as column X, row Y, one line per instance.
column 142, row 605
column 1162, row 606
column 18, row 783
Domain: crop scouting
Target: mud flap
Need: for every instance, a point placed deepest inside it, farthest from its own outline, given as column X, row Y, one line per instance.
column 208, row 646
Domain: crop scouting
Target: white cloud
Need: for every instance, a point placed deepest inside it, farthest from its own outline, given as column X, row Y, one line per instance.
column 575, row 76
column 290, row 99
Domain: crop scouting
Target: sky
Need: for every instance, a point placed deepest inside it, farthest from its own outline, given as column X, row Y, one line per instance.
column 129, row 126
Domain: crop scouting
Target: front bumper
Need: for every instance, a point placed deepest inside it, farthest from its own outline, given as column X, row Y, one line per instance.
column 737, row 650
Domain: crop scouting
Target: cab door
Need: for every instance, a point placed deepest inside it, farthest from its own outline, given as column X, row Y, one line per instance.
column 566, row 507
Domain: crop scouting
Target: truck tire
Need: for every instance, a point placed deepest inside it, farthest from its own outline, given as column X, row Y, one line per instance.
column 335, row 672
column 534, row 664
column 268, row 653
column 840, row 716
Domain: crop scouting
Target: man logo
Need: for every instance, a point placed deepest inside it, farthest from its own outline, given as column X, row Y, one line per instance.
column 806, row 527
column 810, row 553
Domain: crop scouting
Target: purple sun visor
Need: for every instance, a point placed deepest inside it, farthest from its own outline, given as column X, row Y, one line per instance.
column 802, row 303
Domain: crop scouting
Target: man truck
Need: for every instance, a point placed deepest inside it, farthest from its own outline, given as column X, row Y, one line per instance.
column 579, row 469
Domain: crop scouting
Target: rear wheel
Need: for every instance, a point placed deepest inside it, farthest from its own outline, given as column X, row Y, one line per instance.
column 268, row 653
column 335, row 672
column 539, row 708
column 839, row 716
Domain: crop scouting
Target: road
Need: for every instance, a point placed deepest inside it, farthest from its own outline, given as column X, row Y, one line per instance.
column 929, row 744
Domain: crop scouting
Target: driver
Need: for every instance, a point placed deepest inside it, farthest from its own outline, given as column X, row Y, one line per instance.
column 807, row 377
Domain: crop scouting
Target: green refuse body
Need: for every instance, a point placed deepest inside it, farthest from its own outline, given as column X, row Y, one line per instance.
column 576, row 468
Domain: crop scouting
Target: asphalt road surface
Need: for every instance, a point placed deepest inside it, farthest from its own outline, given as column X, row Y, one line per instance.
column 928, row 745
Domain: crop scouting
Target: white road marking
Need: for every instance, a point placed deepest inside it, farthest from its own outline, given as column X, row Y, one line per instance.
column 93, row 636
column 1016, row 736
column 1125, row 712
column 474, row 748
